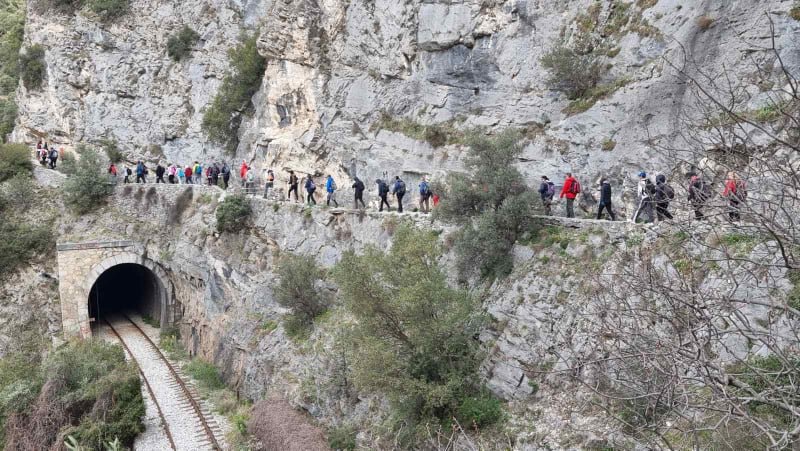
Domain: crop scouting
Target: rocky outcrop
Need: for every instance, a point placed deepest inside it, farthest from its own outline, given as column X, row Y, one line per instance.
column 542, row 314
column 334, row 67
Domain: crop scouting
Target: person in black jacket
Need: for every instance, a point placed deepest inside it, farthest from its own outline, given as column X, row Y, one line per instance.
column 663, row 192
column 605, row 200
column 160, row 173
column 383, row 192
column 547, row 190
column 359, row 187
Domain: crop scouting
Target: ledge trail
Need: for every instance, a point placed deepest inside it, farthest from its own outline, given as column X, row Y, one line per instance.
column 186, row 425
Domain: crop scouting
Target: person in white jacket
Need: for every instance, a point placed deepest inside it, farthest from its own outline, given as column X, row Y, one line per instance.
column 645, row 191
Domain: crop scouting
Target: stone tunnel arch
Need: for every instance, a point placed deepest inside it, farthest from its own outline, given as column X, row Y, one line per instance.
column 115, row 283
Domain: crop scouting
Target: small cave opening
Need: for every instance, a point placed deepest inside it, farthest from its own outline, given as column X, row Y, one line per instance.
column 125, row 289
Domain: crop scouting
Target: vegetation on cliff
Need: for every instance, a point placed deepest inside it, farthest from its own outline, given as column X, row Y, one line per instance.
column 494, row 215
column 12, row 24
column 85, row 390
column 88, row 186
column 415, row 338
column 298, row 290
column 222, row 118
column 180, row 44
column 232, row 214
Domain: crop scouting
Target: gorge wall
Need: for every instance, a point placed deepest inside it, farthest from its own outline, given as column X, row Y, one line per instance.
column 347, row 82
column 543, row 315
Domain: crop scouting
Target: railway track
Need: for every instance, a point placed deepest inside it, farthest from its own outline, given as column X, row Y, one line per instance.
column 187, row 425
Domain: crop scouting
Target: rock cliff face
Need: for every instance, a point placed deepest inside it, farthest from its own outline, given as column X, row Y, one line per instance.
column 336, row 68
column 544, row 315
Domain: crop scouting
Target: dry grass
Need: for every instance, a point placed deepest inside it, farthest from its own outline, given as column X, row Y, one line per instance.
column 280, row 427
column 705, row 22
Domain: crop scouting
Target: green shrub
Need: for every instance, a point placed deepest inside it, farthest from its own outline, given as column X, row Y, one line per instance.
column 180, row 44
column 206, row 374
column 8, row 115
column 480, row 410
column 342, row 438
column 437, row 135
column 15, row 160
column 108, row 9
column 19, row 192
column 21, row 242
column 297, row 289
column 112, row 151
column 493, row 215
column 89, row 392
column 87, row 186
column 33, row 69
column 413, row 335
column 571, row 72
column 233, row 213
column 222, row 118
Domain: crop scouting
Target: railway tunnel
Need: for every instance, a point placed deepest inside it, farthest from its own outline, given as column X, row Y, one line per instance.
column 126, row 288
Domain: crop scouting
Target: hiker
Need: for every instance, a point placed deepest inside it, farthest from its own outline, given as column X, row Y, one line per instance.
column 269, row 182
column 141, row 173
column 645, row 190
column 197, row 173
column 112, row 173
column 570, row 190
column 188, row 173
column 399, row 190
column 310, row 188
column 243, row 172
column 664, row 194
column 293, row 182
column 128, row 174
column 43, row 156
column 383, row 193
column 160, row 173
column 435, row 200
column 424, row 196
column 605, row 200
column 53, row 157
column 249, row 182
column 359, row 187
column 172, row 171
column 330, row 187
column 215, row 174
column 699, row 193
column 209, row 175
column 226, row 175
column 736, row 192
column 547, row 190
column 181, row 175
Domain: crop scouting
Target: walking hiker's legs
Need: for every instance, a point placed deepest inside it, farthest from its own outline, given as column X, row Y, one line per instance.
column 638, row 211
column 648, row 210
column 548, row 204
column 400, row 203
column 384, row 200
column 570, row 208
column 600, row 211
column 610, row 209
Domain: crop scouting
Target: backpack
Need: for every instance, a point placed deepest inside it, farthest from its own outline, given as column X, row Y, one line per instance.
column 311, row 185
column 551, row 190
column 574, row 188
column 668, row 191
column 333, row 185
column 128, row 171
column 359, row 186
column 424, row 188
column 401, row 187
column 649, row 187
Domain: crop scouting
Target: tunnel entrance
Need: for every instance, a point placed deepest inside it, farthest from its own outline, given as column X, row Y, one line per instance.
column 126, row 288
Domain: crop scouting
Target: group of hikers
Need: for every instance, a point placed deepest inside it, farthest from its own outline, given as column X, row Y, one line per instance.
column 219, row 174
column 46, row 155
column 652, row 197
column 192, row 174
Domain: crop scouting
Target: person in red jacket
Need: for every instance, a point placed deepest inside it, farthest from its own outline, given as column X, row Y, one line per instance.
column 570, row 191
column 736, row 192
